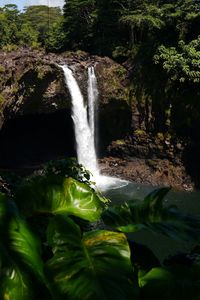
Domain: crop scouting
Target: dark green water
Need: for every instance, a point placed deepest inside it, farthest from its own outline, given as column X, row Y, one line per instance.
column 188, row 202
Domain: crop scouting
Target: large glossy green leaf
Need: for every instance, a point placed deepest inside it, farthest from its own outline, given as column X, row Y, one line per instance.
column 54, row 194
column 93, row 266
column 152, row 215
column 21, row 266
column 16, row 282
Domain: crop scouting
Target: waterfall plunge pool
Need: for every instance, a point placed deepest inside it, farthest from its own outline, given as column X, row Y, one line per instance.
column 162, row 247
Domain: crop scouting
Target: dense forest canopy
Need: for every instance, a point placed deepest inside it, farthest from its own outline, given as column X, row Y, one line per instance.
column 88, row 24
column 109, row 27
column 116, row 28
column 32, row 27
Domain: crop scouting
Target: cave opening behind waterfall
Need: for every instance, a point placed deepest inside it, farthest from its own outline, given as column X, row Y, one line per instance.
column 29, row 140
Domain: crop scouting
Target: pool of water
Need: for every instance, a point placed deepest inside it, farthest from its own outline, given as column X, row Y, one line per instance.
column 188, row 202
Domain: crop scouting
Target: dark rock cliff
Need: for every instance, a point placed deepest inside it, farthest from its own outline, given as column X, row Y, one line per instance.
column 35, row 105
column 36, row 124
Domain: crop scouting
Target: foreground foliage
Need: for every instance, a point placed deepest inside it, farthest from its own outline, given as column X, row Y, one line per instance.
column 21, row 271
column 51, row 247
column 96, row 263
column 152, row 215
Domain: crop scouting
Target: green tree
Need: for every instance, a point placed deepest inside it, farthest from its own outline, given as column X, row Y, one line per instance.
column 182, row 18
column 55, row 37
column 27, row 36
column 142, row 19
column 181, row 63
column 108, row 31
column 41, row 18
column 79, row 18
column 9, row 24
column 14, row 29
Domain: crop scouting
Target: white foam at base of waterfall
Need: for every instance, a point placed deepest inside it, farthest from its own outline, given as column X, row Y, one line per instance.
column 104, row 183
column 84, row 127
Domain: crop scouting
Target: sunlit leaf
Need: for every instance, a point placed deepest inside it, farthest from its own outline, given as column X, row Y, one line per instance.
column 54, row 194
column 93, row 266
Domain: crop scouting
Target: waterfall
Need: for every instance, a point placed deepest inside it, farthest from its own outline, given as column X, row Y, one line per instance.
column 92, row 99
column 84, row 129
column 84, row 125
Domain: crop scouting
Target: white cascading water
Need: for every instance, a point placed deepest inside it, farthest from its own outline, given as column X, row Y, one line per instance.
column 84, row 124
column 92, row 99
column 83, row 133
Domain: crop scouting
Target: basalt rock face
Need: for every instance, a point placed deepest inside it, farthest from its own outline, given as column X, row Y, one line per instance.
column 35, row 104
column 29, row 85
column 36, row 124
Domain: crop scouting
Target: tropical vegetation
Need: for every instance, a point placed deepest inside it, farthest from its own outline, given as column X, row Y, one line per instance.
column 30, row 28
column 60, row 239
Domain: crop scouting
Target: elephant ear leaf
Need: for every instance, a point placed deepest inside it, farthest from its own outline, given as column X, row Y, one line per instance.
column 21, row 267
column 82, row 201
column 55, row 195
column 93, row 266
column 152, row 215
